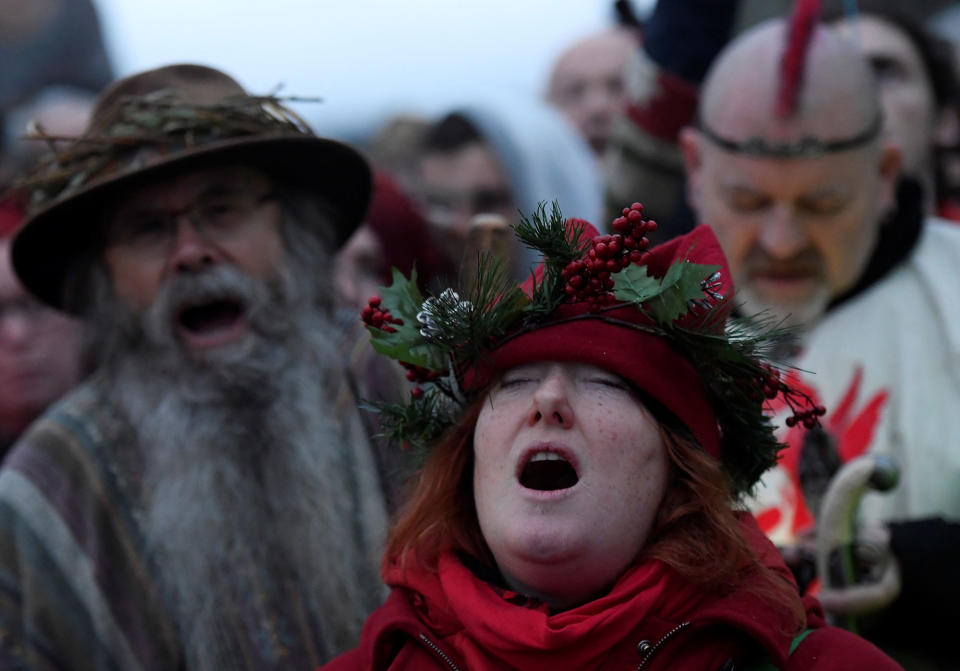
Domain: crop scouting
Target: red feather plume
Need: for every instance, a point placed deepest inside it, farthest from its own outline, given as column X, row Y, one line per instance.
column 803, row 20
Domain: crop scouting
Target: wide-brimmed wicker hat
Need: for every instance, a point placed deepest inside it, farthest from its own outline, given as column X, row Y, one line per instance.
column 169, row 119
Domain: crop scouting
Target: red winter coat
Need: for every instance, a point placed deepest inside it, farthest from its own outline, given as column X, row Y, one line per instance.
column 675, row 627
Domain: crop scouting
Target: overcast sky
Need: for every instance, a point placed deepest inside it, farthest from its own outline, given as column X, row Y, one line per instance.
column 366, row 58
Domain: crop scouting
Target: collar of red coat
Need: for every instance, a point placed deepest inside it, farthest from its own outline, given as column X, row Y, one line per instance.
column 485, row 627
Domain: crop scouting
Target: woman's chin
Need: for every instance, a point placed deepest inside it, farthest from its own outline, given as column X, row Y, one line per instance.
column 563, row 575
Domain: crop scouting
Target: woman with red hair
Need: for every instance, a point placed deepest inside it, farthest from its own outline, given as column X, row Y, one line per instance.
column 589, row 437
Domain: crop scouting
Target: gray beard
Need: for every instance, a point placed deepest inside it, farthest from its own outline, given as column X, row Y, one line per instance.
column 801, row 316
column 262, row 515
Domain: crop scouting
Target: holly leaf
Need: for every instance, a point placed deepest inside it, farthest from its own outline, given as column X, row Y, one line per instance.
column 634, row 285
column 681, row 284
column 666, row 298
column 403, row 300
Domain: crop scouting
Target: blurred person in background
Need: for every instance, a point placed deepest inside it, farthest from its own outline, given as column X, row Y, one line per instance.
column 39, row 346
column 502, row 157
column 790, row 165
column 393, row 148
column 663, row 86
column 916, row 74
column 208, row 498
column 586, row 83
column 55, row 112
column 46, row 43
column 946, row 24
column 393, row 235
column 661, row 83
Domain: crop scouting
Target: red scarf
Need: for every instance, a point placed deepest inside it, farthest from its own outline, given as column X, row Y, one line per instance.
column 490, row 632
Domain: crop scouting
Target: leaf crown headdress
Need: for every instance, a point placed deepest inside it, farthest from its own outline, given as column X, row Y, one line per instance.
column 660, row 317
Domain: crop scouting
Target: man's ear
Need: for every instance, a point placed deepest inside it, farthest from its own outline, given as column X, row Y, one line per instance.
column 690, row 145
column 889, row 170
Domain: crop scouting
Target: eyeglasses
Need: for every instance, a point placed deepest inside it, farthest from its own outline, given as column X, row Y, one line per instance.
column 216, row 216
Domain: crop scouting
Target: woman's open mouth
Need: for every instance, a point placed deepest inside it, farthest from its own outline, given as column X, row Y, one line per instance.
column 548, row 471
column 213, row 323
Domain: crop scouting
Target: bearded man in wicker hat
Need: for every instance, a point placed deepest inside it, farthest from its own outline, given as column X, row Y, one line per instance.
column 209, row 498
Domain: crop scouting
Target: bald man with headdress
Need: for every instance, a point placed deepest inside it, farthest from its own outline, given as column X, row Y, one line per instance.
column 789, row 164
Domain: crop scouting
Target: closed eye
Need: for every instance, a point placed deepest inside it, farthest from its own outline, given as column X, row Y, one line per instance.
column 747, row 201
column 508, row 382
column 822, row 205
column 612, row 383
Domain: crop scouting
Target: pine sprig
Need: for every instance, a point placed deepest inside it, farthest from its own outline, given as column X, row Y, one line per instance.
column 416, row 425
column 496, row 306
column 733, row 364
column 559, row 243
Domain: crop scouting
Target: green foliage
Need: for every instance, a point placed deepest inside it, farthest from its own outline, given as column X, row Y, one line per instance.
column 666, row 298
column 497, row 305
column 417, row 424
column 732, row 374
column 550, row 236
column 447, row 333
column 403, row 300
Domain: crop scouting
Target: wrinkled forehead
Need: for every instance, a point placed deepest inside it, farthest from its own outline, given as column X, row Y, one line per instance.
column 837, row 175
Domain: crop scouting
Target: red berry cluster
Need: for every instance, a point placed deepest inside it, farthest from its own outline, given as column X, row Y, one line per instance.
column 419, row 375
column 809, row 417
column 808, row 414
column 372, row 315
column 770, row 380
column 589, row 279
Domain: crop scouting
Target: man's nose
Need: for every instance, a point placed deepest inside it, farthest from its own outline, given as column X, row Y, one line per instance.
column 192, row 250
column 783, row 235
column 599, row 102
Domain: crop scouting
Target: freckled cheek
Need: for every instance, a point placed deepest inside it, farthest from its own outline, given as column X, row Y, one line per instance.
column 609, row 435
column 490, row 439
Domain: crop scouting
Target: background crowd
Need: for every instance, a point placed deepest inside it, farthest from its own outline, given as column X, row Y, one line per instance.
column 834, row 193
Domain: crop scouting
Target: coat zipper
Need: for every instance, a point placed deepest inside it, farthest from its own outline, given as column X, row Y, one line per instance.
column 659, row 644
column 440, row 653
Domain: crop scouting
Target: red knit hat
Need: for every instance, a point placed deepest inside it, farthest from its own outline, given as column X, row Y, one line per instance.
column 660, row 318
